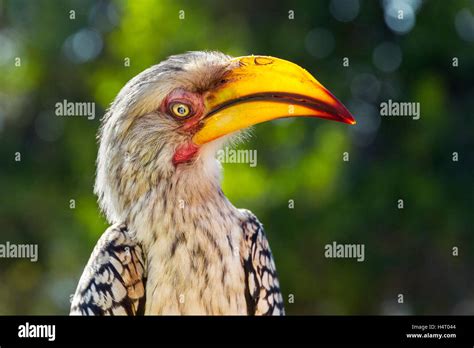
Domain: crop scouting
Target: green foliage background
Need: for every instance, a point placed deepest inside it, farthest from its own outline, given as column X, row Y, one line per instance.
column 408, row 251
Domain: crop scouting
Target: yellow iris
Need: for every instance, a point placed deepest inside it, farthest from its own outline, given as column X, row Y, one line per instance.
column 180, row 110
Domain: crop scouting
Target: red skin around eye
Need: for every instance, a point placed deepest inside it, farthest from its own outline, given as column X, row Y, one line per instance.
column 194, row 100
column 187, row 151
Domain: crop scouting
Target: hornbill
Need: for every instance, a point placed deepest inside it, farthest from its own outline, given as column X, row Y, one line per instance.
column 176, row 245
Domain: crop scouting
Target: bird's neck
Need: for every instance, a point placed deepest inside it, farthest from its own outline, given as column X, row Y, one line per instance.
column 192, row 237
column 188, row 202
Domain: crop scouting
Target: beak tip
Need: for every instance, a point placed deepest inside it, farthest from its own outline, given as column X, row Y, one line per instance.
column 346, row 116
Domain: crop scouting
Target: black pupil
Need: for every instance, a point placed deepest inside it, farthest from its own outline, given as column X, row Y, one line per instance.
column 181, row 110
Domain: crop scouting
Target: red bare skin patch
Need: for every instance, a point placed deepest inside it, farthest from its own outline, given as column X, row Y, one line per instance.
column 185, row 153
column 193, row 100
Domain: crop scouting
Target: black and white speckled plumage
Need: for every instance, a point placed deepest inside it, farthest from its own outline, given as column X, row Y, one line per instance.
column 262, row 285
column 114, row 280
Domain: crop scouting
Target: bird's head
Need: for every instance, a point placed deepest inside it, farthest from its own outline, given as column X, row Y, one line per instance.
column 167, row 123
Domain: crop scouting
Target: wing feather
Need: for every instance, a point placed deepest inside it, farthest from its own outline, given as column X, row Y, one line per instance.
column 263, row 293
column 113, row 282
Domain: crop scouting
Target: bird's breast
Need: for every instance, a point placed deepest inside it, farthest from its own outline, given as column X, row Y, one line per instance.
column 195, row 267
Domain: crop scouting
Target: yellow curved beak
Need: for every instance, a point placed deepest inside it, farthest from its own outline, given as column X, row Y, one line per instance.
column 260, row 88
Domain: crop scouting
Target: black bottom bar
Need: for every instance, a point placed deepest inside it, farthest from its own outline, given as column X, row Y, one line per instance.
column 412, row 330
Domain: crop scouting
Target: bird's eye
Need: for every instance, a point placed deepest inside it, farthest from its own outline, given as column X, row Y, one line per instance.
column 180, row 110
